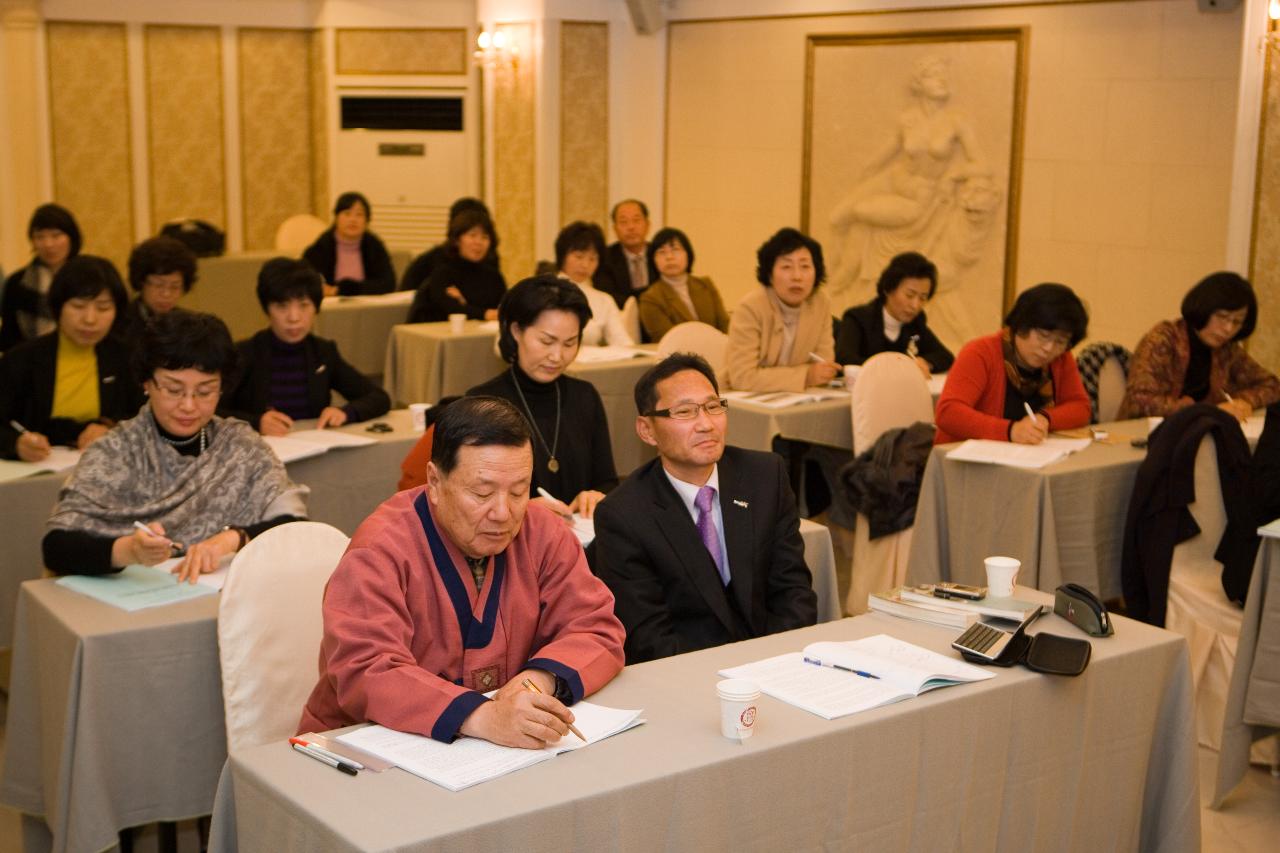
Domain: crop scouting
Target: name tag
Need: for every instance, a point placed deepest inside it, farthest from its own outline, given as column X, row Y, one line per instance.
column 320, row 369
column 737, row 502
column 107, row 380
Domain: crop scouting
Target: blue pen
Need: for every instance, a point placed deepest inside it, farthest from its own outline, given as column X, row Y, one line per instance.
column 842, row 668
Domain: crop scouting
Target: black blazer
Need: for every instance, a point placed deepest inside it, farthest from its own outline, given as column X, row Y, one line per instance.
column 613, row 276
column 667, row 591
column 326, row 371
column 27, row 375
column 379, row 276
column 861, row 336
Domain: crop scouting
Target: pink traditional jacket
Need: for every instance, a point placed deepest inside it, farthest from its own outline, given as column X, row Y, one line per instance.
column 408, row 642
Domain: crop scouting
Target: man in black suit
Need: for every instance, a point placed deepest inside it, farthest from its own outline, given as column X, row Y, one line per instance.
column 624, row 269
column 700, row 546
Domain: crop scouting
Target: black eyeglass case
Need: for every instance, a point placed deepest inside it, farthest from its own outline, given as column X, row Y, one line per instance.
column 1048, row 653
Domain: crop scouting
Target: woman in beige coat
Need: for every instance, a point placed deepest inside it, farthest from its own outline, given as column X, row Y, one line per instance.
column 775, row 330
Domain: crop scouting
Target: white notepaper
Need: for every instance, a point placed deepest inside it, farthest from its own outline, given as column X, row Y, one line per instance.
column 332, row 438
column 592, row 355
column 288, row 449
column 1018, row 455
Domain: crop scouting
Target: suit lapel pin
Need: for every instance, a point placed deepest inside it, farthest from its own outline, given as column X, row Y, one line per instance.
column 742, row 504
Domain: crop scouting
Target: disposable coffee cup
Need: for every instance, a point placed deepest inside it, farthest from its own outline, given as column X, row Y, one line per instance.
column 738, row 699
column 418, row 415
column 457, row 323
column 1002, row 573
column 851, row 374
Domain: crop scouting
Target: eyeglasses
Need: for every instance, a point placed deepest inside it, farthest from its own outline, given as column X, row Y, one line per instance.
column 164, row 286
column 1057, row 340
column 689, row 411
column 199, row 395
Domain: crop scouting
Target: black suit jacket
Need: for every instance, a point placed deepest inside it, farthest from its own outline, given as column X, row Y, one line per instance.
column 613, row 276
column 326, row 372
column 27, row 375
column 667, row 590
column 860, row 335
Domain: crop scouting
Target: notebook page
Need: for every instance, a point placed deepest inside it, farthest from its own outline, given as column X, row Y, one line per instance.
column 820, row 690
column 332, row 438
column 458, row 765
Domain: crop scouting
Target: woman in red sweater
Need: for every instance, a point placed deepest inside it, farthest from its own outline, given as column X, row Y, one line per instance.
column 1026, row 365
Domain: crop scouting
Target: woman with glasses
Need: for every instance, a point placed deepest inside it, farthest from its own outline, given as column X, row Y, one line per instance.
column 162, row 270
column 201, row 485
column 1021, row 383
column 894, row 321
column 677, row 296
column 1199, row 359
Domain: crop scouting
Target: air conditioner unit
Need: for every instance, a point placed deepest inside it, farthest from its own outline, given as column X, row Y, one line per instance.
column 409, row 153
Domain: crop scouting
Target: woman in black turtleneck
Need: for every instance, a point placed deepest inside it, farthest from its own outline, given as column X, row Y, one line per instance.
column 463, row 283
column 541, row 321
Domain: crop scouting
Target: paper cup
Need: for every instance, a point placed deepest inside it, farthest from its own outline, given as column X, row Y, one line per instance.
column 418, row 415
column 851, row 374
column 457, row 324
column 1002, row 573
column 738, row 698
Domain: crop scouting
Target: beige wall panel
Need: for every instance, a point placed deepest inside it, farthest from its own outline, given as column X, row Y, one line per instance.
column 417, row 51
column 184, row 124
column 320, row 201
column 514, row 157
column 1125, row 173
column 89, row 119
column 584, row 122
column 276, row 132
column 1265, row 273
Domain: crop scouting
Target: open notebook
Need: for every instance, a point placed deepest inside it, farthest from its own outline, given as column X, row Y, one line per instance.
column 469, row 761
column 824, row 679
column 1018, row 455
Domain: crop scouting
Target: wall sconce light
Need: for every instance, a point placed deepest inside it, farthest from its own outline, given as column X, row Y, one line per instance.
column 496, row 50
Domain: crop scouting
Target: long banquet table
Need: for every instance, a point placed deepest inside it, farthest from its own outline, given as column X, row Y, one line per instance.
column 361, row 327
column 1020, row 762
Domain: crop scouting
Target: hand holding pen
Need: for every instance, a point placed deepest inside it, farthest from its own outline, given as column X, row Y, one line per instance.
column 30, row 446
column 1028, row 430
column 821, row 370
column 148, row 545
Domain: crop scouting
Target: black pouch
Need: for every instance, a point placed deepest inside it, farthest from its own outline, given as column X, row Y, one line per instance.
column 1048, row 653
column 1082, row 608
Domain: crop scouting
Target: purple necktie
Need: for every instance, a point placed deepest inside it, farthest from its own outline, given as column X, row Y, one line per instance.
column 707, row 529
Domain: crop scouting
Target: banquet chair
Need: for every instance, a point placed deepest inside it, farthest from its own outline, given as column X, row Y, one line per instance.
column 1104, row 370
column 890, row 392
column 269, row 629
column 631, row 318
column 696, row 337
column 298, row 232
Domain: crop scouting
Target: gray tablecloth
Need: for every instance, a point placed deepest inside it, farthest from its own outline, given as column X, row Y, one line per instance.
column 1065, row 522
column 826, row 422
column 115, row 719
column 1253, row 698
column 1106, row 761
column 361, row 326
column 346, row 485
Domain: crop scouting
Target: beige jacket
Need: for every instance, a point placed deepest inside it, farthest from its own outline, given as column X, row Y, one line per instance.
column 755, row 339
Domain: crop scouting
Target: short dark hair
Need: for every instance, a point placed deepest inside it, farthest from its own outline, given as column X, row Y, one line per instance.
column 185, row 339
column 467, row 203
column 349, row 199
column 476, row 422
column 577, row 237
column 161, row 256
column 1221, row 291
column 662, row 238
column 525, row 302
column 647, row 385
column 466, row 220
column 84, row 277
column 906, row 265
column 784, row 242
column 282, row 279
column 55, row 217
column 1050, row 306
column 613, row 211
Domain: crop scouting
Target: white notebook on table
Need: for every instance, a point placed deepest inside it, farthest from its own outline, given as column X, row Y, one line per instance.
column 1018, row 455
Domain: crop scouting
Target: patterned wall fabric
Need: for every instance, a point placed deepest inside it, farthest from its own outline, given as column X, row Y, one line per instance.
column 89, row 121
column 584, row 122
column 184, row 124
column 513, row 157
column 416, row 51
column 1264, row 345
column 320, row 200
column 276, row 130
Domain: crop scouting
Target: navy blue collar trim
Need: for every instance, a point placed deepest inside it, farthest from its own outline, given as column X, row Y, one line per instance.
column 475, row 635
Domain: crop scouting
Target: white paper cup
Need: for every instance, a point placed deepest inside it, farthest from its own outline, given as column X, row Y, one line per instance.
column 418, row 415
column 1002, row 573
column 457, row 323
column 738, row 698
column 851, row 374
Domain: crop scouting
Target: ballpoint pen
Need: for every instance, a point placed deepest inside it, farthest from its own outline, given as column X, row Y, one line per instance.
column 336, row 764
column 529, row 685
column 816, row 662
column 567, row 516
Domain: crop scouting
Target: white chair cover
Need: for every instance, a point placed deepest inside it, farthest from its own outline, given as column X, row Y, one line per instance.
column 269, row 629
column 890, row 392
column 631, row 318
column 701, row 338
column 1111, row 382
column 298, row 232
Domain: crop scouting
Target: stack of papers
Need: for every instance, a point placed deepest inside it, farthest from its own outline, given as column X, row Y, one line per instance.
column 1018, row 455
column 828, row 679
column 591, row 355
column 894, row 604
column 1010, row 608
column 470, row 761
column 303, row 443
column 782, row 399
column 137, row 587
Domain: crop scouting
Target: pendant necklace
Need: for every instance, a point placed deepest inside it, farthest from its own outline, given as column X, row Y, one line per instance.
column 552, row 465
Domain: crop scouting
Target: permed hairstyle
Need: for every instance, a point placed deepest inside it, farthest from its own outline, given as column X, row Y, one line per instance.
column 84, row 277
column 283, row 279
column 349, row 199
column 906, row 265
column 185, row 339
column 161, row 256
column 646, row 392
column 55, row 217
column 1054, row 307
column 784, row 242
column 662, row 238
column 525, row 302
column 476, row 422
column 1221, row 291
column 578, row 237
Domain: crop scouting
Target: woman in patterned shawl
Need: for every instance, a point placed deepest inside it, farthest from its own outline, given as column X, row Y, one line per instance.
column 202, row 485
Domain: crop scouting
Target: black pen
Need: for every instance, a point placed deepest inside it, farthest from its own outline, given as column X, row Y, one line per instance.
column 343, row 766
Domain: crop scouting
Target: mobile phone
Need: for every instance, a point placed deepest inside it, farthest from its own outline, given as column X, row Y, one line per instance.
column 1138, row 442
column 946, row 589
